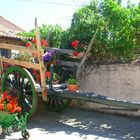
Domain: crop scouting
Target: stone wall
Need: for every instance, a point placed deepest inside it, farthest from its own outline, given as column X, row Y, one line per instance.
column 119, row 81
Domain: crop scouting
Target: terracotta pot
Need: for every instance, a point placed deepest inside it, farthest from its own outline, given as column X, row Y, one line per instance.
column 72, row 87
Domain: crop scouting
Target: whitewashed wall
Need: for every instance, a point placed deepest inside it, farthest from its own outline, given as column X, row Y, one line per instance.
column 120, row 81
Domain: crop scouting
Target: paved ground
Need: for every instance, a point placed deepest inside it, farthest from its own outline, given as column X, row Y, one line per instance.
column 80, row 125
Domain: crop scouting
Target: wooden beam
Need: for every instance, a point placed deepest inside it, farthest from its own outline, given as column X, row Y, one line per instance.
column 1, row 68
column 42, row 67
column 86, row 55
column 67, row 51
column 20, row 63
column 18, row 48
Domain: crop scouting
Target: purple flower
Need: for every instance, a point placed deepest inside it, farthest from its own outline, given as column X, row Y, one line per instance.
column 48, row 56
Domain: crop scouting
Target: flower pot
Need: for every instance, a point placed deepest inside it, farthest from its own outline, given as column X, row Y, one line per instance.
column 72, row 87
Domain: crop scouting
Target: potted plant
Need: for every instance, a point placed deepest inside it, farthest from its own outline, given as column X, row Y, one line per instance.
column 55, row 78
column 79, row 49
column 72, row 84
column 51, row 57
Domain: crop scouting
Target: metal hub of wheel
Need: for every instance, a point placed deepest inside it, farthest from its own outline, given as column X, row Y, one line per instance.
column 20, row 84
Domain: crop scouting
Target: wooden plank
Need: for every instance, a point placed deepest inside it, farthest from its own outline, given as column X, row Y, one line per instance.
column 18, row 48
column 78, row 73
column 68, row 63
column 24, row 49
column 20, row 63
column 1, row 68
column 42, row 67
column 67, row 51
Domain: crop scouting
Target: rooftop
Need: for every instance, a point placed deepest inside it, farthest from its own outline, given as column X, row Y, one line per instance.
column 7, row 27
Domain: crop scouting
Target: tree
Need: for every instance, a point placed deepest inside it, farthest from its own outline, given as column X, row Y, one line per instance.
column 52, row 34
column 116, row 38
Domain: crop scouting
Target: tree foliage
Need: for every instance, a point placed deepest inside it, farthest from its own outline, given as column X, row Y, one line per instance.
column 53, row 34
column 119, row 28
column 118, row 36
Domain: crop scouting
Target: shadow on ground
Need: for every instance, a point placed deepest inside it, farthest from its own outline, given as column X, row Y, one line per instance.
column 81, row 124
column 85, row 123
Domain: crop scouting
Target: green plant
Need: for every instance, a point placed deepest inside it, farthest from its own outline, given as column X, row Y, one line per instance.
column 118, row 30
column 72, row 81
column 53, row 34
column 55, row 76
column 33, row 43
column 23, row 57
column 78, row 47
column 118, row 37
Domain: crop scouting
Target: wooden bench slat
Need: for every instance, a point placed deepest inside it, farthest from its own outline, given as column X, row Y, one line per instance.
column 18, row 48
column 20, row 63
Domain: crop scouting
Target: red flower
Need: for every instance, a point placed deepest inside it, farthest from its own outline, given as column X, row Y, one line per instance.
column 8, row 103
column 47, row 74
column 75, row 53
column 4, row 95
column 38, row 78
column 5, row 65
column 28, row 44
column 46, row 44
column 14, row 102
column 1, row 107
column 75, row 43
column 9, row 98
column 34, row 71
column 18, row 109
column 43, row 41
column 34, row 41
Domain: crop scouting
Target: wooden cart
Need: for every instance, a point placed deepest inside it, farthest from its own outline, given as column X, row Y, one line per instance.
column 19, row 80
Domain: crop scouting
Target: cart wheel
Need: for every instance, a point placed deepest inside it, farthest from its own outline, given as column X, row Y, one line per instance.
column 57, row 104
column 20, row 84
column 25, row 134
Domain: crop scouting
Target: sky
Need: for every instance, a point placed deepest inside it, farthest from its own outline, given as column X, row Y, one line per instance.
column 23, row 12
